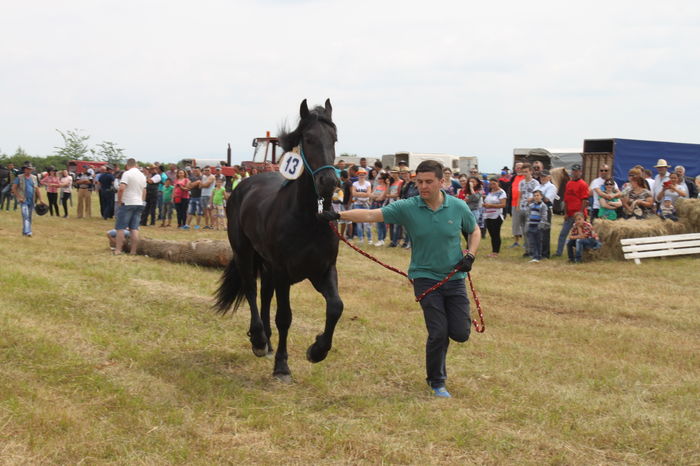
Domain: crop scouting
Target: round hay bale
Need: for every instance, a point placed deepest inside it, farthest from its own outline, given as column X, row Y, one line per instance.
column 611, row 232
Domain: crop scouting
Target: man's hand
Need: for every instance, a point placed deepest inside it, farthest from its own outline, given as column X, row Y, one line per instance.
column 329, row 215
column 465, row 264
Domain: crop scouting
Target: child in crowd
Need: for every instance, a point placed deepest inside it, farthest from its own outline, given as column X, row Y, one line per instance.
column 536, row 224
column 608, row 207
column 582, row 237
column 218, row 200
column 168, row 204
column 667, row 211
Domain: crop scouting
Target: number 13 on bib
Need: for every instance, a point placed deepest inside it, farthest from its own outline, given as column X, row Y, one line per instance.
column 291, row 165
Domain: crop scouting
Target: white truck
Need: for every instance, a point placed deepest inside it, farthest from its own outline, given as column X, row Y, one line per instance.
column 457, row 163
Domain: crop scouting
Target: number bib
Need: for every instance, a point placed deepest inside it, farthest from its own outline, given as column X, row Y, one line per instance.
column 291, row 165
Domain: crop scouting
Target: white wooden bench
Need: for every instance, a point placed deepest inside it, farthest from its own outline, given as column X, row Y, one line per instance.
column 659, row 246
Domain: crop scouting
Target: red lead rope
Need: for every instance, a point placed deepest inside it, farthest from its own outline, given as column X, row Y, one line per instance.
column 478, row 326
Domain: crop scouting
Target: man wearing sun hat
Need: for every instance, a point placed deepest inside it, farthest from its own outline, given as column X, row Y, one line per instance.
column 662, row 168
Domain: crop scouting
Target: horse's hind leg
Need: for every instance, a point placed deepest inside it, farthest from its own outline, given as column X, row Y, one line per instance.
column 256, row 332
column 328, row 287
column 267, row 289
column 283, row 320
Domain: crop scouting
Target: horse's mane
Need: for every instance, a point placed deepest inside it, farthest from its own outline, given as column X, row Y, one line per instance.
column 290, row 139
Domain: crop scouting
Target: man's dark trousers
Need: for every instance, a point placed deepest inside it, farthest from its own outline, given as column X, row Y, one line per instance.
column 446, row 313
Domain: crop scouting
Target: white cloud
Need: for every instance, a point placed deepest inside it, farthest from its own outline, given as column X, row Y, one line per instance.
column 171, row 79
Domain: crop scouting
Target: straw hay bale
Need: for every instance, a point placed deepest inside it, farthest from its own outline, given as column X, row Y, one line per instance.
column 204, row 252
column 688, row 211
column 611, row 232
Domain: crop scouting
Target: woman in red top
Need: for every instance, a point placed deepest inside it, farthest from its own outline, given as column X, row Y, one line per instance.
column 52, row 183
column 181, row 196
column 462, row 193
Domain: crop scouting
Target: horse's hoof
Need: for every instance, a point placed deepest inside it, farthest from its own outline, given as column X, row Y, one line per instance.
column 284, row 378
column 260, row 352
column 313, row 355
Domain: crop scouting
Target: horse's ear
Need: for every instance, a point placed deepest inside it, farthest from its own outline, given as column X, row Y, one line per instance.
column 304, row 110
column 329, row 109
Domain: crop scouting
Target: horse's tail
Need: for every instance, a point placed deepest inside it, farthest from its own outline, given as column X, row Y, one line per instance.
column 231, row 290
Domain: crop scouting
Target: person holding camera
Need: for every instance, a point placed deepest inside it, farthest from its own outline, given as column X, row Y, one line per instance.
column 672, row 189
column 435, row 222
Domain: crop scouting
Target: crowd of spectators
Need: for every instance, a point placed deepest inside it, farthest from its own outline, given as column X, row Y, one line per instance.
column 528, row 195
column 196, row 196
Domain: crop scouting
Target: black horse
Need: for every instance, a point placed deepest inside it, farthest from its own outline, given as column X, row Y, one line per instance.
column 276, row 236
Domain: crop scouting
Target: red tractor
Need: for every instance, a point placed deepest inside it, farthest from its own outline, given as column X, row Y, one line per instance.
column 266, row 155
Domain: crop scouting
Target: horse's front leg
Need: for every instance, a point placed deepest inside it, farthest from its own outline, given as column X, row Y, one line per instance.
column 328, row 287
column 267, row 289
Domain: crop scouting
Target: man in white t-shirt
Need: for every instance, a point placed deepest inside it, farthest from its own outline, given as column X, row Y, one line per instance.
column 130, row 197
column 597, row 189
column 207, row 185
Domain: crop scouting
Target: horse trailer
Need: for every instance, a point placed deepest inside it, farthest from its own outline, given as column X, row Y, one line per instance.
column 623, row 154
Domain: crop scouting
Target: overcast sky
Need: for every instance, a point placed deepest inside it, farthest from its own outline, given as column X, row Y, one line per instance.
column 173, row 79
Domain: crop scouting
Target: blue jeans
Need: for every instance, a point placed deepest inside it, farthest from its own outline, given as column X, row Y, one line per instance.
column 381, row 231
column 27, row 208
column 534, row 242
column 564, row 234
column 363, row 229
column 159, row 205
column 194, row 207
column 396, row 233
column 129, row 216
column 580, row 245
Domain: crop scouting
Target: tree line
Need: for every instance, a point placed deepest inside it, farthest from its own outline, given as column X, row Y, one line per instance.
column 75, row 147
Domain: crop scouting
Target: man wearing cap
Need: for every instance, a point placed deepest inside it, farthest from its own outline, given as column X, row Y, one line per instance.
column 26, row 190
column 576, row 194
column 408, row 189
column 436, row 223
column 662, row 168
column 106, row 192
column 537, row 168
column 84, row 183
column 504, row 183
column 152, row 184
column 514, row 193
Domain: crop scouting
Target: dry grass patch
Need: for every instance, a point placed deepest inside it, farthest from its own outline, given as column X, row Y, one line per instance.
column 121, row 360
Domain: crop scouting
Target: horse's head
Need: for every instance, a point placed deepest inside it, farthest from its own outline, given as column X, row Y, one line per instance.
column 316, row 135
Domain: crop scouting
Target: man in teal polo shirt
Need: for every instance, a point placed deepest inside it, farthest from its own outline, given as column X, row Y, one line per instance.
column 436, row 223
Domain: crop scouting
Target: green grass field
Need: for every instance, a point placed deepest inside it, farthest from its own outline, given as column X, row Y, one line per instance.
column 120, row 360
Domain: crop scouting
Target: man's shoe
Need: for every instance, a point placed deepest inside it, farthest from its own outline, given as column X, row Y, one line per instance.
column 379, row 243
column 514, row 245
column 535, row 260
column 392, row 245
column 441, row 392
column 185, row 227
column 196, row 227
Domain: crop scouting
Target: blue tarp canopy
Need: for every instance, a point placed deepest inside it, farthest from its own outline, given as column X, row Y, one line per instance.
column 630, row 152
